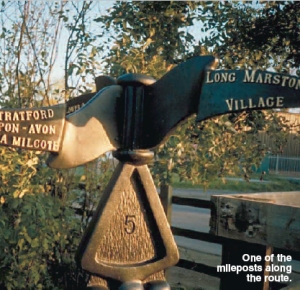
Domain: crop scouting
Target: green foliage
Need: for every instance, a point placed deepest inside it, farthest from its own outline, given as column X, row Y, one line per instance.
column 149, row 36
column 94, row 177
column 31, row 36
column 253, row 36
column 222, row 146
column 81, row 49
column 40, row 231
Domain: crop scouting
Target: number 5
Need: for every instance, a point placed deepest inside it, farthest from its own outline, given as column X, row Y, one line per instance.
column 130, row 224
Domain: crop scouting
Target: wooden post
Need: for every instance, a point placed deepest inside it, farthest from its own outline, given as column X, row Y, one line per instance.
column 165, row 195
column 269, row 252
column 166, row 192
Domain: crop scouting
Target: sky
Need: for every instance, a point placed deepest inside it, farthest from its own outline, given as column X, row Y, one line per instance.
column 100, row 8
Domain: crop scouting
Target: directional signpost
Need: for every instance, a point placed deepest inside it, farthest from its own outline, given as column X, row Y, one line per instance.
column 34, row 129
column 128, row 243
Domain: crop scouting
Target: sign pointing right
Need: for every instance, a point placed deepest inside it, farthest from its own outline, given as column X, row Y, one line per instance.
column 227, row 91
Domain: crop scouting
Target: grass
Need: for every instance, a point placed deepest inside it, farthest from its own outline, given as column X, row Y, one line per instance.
column 270, row 183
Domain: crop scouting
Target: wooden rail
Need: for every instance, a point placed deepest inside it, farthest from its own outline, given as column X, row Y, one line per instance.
column 229, row 246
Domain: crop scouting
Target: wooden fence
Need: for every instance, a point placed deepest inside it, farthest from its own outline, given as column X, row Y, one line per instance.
column 292, row 146
column 232, row 250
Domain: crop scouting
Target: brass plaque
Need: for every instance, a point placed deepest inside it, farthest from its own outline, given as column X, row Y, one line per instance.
column 33, row 129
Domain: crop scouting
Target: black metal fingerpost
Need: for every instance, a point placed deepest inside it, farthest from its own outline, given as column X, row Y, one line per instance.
column 129, row 240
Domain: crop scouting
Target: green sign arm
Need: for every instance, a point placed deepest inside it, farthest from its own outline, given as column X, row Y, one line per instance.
column 228, row 91
column 90, row 131
column 194, row 87
column 173, row 98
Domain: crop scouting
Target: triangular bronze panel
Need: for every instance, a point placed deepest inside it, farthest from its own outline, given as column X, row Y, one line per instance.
column 129, row 236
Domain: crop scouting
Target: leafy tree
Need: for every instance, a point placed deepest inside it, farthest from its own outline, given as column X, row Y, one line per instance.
column 254, row 36
column 39, row 229
column 148, row 36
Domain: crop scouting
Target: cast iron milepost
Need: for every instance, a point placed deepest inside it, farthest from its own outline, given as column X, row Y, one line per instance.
column 128, row 244
column 129, row 239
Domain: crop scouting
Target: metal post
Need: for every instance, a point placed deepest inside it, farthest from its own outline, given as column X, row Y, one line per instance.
column 277, row 162
column 129, row 240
